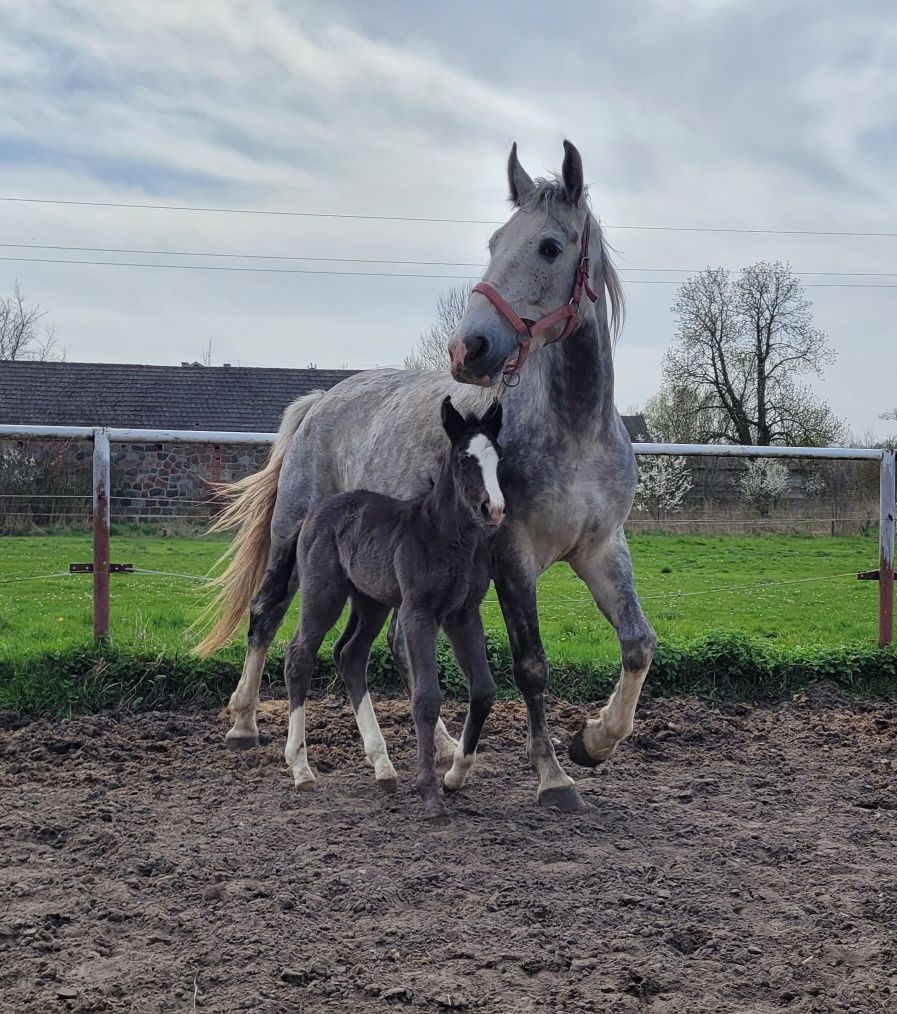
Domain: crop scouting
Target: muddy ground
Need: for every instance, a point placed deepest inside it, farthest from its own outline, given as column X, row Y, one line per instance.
column 731, row 860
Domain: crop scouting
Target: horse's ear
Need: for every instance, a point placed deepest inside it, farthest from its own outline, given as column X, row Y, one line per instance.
column 571, row 172
column 492, row 420
column 519, row 183
column 452, row 420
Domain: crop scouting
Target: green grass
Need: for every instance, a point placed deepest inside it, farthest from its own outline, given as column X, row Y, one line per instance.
column 704, row 596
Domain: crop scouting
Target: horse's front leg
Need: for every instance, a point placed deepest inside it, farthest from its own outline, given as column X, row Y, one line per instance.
column 465, row 632
column 446, row 744
column 420, row 631
column 515, row 584
column 607, row 571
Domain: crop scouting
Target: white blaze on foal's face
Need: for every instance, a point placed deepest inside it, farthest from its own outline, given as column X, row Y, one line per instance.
column 483, row 451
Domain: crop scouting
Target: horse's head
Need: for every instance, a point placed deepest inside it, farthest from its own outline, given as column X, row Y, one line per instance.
column 533, row 274
column 475, row 457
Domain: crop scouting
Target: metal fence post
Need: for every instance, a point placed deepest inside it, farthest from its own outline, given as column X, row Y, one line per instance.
column 887, row 511
column 101, row 477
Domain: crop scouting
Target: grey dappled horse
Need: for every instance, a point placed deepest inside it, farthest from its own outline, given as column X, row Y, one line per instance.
column 569, row 472
column 428, row 559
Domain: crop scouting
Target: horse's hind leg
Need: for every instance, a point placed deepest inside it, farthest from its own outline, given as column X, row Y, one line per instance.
column 365, row 622
column 446, row 744
column 465, row 632
column 322, row 604
column 608, row 574
column 266, row 614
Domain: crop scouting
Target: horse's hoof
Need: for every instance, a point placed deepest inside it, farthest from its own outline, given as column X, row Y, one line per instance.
column 387, row 785
column 438, row 817
column 242, row 742
column 563, row 797
column 309, row 785
column 579, row 754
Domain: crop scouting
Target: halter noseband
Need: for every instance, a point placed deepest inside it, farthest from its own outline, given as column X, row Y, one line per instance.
column 528, row 329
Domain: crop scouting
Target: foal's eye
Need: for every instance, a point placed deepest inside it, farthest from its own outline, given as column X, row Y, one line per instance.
column 550, row 249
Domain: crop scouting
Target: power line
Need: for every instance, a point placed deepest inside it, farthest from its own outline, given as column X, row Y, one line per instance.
column 376, row 260
column 367, row 274
column 440, row 221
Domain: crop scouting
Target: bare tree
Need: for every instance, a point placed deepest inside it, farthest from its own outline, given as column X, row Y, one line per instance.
column 431, row 351
column 22, row 332
column 740, row 345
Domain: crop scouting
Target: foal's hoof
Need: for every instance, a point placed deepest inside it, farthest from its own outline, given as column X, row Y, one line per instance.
column 564, row 797
column 387, row 785
column 241, row 742
column 308, row 785
column 579, row 754
column 437, row 816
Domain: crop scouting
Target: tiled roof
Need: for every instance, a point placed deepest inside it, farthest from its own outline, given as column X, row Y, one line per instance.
column 154, row 397
column 251, row 399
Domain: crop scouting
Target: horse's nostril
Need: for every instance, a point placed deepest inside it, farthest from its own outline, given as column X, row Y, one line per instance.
column 476, row 345
column 484, row 508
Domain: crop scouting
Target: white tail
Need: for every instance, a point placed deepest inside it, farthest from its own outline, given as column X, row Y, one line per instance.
column 249, row 511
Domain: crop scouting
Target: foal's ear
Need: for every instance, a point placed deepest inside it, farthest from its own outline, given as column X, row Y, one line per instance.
column 492, row 420
column 519, row 183
column 571, row 172
column 452, row 420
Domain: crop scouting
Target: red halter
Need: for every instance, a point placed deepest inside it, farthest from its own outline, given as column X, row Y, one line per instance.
column 528, row 329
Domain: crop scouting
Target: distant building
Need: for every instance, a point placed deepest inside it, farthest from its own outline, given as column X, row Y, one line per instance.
column 151, row 478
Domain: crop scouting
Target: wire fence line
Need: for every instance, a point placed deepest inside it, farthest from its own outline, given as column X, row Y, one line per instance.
column 492, row 599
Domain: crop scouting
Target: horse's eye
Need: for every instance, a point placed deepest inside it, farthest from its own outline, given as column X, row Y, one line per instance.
column 550, row 249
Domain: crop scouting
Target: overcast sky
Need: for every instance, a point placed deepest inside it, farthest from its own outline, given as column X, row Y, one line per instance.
column 695, row 113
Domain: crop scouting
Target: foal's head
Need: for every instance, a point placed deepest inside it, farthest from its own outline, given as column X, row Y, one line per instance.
column 474, row 460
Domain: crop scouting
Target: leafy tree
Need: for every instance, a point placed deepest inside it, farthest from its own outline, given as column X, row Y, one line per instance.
column 763, row 484
column 663, row 485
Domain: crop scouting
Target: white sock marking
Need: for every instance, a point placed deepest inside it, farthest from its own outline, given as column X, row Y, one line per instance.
column 296, row 752
column 374, row 743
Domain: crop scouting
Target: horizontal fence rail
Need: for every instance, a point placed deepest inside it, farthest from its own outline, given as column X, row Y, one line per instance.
column 102, row 437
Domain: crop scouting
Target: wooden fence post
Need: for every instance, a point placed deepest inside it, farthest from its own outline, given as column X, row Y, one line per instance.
column 101, row 477
column 887, row 511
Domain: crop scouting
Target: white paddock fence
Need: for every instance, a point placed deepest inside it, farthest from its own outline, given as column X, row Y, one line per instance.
column 103, row 437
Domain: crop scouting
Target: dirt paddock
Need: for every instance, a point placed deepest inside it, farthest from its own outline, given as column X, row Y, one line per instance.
column 731, row 860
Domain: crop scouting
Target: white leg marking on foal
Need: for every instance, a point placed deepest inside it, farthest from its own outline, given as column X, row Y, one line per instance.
column 457, row 774
column 296, row 752
column 446, row 744
column 374, row 743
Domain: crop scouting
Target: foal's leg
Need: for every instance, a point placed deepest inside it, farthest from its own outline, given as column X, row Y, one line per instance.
column 515, row 583
column 369, row 618
column 420, row 632
column 446, row 744
column 607, row 571
column 266, row 614
column 321, row 608
column 465, row 632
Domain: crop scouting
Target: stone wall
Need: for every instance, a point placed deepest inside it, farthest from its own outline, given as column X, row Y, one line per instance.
column 149, row 472
column 43, row 481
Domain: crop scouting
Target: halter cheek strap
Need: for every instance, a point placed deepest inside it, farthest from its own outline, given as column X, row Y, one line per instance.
column 528, row 329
